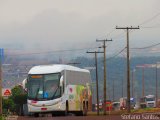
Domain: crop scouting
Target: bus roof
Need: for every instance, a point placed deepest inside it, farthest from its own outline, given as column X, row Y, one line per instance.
column 55, row 68
column 149, row 96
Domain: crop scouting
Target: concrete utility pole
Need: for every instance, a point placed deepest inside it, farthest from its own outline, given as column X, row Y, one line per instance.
column 1, row 60
column 157, row 84
column 104, row 99
column 0, row 87
column 128, row 66
column 96, row 79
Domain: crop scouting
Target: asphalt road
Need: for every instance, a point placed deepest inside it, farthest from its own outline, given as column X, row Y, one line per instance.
column 144, row 116
column 73, row 118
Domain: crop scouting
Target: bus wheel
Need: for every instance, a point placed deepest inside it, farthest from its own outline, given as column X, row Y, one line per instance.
column 36, row 114
column 67, row 109
column 84, row 109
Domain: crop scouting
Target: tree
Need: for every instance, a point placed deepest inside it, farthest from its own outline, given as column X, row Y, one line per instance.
column 19, row 97
column 8, row 105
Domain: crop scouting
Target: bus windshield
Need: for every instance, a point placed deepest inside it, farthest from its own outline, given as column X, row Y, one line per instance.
column 43, row 87
column 150, row 99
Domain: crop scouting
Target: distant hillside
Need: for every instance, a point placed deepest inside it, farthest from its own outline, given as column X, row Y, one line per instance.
column 17, row 68
column 116, row 71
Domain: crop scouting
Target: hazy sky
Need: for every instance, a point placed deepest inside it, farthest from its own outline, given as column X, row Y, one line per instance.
column 69, row 24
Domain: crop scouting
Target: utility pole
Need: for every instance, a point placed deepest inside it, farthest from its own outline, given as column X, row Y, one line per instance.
column 1, row 60
column 96, row 79
column 128, row 66
column 105, row 88
column 0, row 87
column 156, row 85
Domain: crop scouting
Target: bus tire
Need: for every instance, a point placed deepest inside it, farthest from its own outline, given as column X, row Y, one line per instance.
column 67, row 109
column 84, row 113
column 36, row 114
column 87, row 105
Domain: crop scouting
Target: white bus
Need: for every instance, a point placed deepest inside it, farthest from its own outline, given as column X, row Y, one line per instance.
column 58, row 89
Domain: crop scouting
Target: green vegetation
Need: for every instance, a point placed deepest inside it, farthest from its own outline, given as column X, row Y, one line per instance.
column 2, row 118
column 146, row 110
column 14, row 103
column 8, row 105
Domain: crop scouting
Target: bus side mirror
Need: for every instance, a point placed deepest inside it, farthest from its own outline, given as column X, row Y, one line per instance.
column 24, row 83
column 61, row 81
column 61, row 85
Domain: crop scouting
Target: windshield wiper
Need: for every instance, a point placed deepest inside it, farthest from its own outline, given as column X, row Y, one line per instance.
column 36, row 97
column 55, row 92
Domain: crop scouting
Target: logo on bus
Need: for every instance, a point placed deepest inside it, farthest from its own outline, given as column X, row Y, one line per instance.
column 70, row 89
column 71, row 96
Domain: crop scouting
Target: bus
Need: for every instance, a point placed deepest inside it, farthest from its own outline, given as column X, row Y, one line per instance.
column 148, row 101
column 58, row 89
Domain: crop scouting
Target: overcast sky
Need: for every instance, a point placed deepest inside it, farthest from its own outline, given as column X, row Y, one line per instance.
column 69, row 24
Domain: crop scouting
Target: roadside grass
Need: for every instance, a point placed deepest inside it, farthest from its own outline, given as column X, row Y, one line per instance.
column 146, row 110
column 2, row 117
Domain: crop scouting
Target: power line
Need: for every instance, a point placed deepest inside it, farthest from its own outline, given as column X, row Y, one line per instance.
column 117, row 54
column 52, row 52
column 118, row 36
column 111, row 32
column 121, row 35
column 144, row 22
column 150, row 19
column 151, row 27
column 148, row 46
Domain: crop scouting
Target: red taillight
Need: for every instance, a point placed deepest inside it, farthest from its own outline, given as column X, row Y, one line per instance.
column 33, row 101
column 43, row 108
